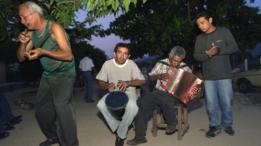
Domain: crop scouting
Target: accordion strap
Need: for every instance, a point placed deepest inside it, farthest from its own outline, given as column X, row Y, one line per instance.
column 47, row 35
column 44, row 39
column 165, row 63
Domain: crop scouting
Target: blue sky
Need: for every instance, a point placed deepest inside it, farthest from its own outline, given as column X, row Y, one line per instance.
column 107, row 43
column 257, row 3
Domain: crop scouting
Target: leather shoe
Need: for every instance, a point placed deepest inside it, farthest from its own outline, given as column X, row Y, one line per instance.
column 119, row 141
column 170, row 130
column 4, row 135
column 16, row 119
column 136, row 141
column 229, row 130
column 49, row 142
column 9, row 126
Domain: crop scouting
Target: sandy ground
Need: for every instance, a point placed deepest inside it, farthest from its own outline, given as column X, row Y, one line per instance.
column 93, row 132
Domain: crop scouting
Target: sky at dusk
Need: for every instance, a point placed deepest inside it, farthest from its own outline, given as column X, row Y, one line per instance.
column 257, row 3
column 107, row 43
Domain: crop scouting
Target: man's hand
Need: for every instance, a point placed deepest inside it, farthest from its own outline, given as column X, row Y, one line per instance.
column 111, row 87
column 164, row 76
column 25, row 45
column 34, row 54
column 122, row 85
column 24, row 37
column 213, row 50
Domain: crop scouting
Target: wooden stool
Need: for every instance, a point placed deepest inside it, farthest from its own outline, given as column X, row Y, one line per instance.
column 182, row 121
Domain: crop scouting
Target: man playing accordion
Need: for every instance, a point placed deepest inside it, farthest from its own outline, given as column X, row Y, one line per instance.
column 119, row 75
column 159, row 96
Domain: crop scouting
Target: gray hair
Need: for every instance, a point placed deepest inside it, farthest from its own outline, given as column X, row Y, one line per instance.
column 177, row 51
column 33, row 7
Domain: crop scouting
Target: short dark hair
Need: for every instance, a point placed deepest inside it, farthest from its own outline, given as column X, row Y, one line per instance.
column 204, row 14
column 119, row 45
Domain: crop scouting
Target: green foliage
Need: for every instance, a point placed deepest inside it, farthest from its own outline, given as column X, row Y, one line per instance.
column 79, row 36
column 8, row 20
column 110, row 6
column 58, row 10
column 62, row 11
column 156, row 26
column 82, row 49
column 99, row 8
column 152, row 26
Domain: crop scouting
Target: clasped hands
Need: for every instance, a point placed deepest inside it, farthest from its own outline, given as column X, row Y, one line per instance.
column 33, row 54
column 213, row 50
column 25, row 39
column 121, row 85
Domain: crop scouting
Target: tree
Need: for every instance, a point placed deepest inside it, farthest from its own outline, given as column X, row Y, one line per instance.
column 156, row 26
column 63, row 11
column 160, row 23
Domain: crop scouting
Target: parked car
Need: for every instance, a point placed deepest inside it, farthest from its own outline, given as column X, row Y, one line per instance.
column 247, row 80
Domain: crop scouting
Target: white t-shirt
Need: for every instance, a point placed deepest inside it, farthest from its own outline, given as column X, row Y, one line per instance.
column 112, row 72
column 86, row 64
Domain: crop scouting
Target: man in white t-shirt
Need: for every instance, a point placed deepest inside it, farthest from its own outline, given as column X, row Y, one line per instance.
column 120, row 73
column 86, row 65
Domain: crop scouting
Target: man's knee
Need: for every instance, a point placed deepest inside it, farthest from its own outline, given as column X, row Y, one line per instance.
column 101, row 105
column 132, row 106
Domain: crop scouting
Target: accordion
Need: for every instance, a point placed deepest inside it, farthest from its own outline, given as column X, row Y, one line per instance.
column 183, row 85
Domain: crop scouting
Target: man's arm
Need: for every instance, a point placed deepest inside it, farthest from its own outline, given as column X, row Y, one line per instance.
column 63, row 53
column 123, row 85
column 25, row 45
column 157, row 77
column 137, row 78
column 135, row 83
column 106, row 86
column 156, row 72
column 230, row 43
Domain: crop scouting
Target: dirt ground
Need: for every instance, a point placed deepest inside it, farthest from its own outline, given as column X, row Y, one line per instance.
column 93, row 132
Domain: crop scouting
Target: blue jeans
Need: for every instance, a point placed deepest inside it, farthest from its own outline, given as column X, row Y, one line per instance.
column 88, row 85
column 219, row 92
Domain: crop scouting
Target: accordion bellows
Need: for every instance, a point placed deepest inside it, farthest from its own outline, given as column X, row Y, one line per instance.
column 183, row 85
